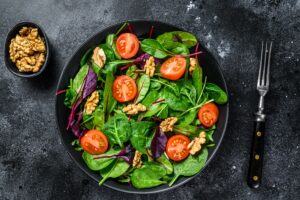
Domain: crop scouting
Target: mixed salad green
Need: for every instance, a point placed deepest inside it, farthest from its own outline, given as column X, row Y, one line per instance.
column 141, row 109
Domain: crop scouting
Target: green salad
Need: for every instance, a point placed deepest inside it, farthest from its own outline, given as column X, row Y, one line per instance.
column 141, row 109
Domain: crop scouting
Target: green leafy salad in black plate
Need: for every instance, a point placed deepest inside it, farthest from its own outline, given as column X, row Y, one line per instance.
column 141, row 108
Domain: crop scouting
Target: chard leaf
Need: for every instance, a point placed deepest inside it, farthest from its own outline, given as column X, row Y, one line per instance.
column 159, row 142
column 143, row 87
column 185, row 38
column 116, row 169
column 109, row 101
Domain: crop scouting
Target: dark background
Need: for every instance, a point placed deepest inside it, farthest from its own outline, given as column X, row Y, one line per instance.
column 34, row 163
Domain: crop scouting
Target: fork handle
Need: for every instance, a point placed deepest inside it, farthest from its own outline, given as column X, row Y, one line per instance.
column 256, row 157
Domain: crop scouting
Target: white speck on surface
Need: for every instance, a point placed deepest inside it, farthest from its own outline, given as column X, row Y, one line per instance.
column 223, row 49
column 208, row 36
column 248, row 193
column 292, row 42
column 286, row 96
column 198, row 19
column 215, row 18
column 190, row 6
column 273, row 185
column 233, row 167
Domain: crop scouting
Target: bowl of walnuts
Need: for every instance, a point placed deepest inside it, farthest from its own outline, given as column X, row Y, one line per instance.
column 26, row 50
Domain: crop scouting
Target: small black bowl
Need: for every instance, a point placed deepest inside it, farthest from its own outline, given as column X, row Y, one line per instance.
column 10, row 65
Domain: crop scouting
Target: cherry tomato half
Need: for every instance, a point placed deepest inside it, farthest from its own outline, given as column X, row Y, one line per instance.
column 127, row 45
column 124, row 89
column 208, row 114
column 94, row 142
column 177, row 147
column 173, row 68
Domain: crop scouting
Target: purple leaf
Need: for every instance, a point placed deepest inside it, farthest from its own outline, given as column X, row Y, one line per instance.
column 158, row 144
column 126, row 154
column 88, row 86
column 141, row 60
column 75, row 125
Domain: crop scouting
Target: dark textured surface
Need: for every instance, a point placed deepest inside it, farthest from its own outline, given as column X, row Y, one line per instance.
column 33, row 162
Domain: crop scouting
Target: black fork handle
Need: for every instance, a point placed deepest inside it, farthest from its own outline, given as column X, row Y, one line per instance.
column 256, row 156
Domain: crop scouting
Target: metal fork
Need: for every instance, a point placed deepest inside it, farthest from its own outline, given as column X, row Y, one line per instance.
column 257, row 150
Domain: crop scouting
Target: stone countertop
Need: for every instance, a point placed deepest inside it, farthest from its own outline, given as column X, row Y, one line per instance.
column 34, row 163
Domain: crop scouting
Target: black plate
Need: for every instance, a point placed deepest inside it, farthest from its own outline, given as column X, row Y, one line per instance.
column 10, row 65
column 210, row 68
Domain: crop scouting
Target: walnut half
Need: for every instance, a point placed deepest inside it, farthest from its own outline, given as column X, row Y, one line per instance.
column 137, row 160
column 133, row 109
column 150, row 66
column 196, row 143
column 99, row 57
column 91, row 103
column 193, row 63
column 167, row 124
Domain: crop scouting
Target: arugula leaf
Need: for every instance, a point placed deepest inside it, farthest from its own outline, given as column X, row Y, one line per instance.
column 143, row 87
column 153, row 48
column 140, row 134
column 185, row 38
column 189, row 167
column 148, row 176
column 109, row 101
column 70, row 96
column 98, row 164
column 95, row 120
column 216, row 93
column 114, row 170
column 117, row 129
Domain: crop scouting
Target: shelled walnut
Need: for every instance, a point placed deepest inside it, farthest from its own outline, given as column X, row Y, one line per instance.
column 197, row 142
column 27, row 50
column 150, row 66
column 99, row 57
column 91, row 103
column 137, row 160
column 167, row 124
column 133, row 109
column 193, row 63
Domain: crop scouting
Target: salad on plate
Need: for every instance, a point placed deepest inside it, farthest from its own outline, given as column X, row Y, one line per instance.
column 141, row 109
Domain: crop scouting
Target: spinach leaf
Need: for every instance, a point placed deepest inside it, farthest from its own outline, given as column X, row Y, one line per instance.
column 188, row 130
column 131, row 71
column 114, row 170
column 174, row 102
column 197, row 79
column 140, row 134
column 185, row 38
column 216, row 93
column 154, row 109
column 109, row 101
column 165, row 162
column 189, row 91
column 191, row 166
column 188, row 118
column 176, row 47
column 148, row 176
column 143, row 86
column 111, row 67
column 111, row 42
column 153, row 48
column 150, row 98
column 109, row 52
column 86, row 56
column 117, row 129
column 155, row 85
column 98, row 164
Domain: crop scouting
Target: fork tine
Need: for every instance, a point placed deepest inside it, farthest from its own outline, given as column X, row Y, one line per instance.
column 263, row 83
column 268, row 68
column 260, row 64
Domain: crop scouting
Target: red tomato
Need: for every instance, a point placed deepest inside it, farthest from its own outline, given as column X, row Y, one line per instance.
column 208, row 114
column 127, row 45
column 124, row 89
column 177, row 147
column 173, row 68
column 94, row 142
